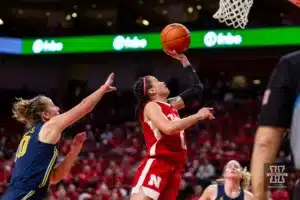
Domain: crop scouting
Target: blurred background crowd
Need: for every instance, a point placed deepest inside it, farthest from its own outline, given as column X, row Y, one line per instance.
column 234, row 81
column 115, row 143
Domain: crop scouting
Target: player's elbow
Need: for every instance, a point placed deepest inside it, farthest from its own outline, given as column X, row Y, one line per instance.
column 199, row 88
column 193, row 93
column 170, row 129
column 262, row 143
column 266, row 138
column 87, row 105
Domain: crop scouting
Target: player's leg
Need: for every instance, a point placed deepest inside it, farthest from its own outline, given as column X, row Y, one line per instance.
column 172, row 187
column 150, row 179
column 140, row 196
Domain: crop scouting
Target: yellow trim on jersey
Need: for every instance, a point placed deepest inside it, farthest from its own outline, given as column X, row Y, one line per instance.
column 49, row 169
column 23, row 144
column 28, row 195
column 30, row 131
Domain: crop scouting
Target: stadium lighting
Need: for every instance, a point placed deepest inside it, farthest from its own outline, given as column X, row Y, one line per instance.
column 256, row 82
column 190, row 9
column 145, row 22
column 199, row 7
column 1, row 22
column 74, row 15
column 68, row 17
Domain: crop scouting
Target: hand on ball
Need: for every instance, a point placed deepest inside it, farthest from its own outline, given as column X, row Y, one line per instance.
column 178, row 56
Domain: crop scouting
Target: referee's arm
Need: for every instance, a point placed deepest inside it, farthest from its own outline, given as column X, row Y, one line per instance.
column 267, row 143
column 275, row 118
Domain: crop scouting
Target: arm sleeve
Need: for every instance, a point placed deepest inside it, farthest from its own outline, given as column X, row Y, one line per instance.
column 196, row 88
column 279, row 97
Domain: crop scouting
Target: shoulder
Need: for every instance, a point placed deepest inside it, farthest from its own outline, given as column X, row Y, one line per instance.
column 48, row 129
column 248, row 195
column 210, row 192
column 51, row 124
column 151, row 105
column 290, row 62
column 292, row 57
column 212, row 189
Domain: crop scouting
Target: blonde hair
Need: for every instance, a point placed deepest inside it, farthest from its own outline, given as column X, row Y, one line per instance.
column 28, row 111
column 245, row 180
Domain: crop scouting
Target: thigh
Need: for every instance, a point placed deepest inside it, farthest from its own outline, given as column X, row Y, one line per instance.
column 151, row 178
column 172, row 187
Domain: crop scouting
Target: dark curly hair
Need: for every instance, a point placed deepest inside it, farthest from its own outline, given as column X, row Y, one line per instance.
column 140, row 89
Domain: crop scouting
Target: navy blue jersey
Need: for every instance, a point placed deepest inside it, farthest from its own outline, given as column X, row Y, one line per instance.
column 222, row 195
column 34, row 162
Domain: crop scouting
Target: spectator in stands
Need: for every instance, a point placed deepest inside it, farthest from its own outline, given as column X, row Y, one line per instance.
column 206, row 170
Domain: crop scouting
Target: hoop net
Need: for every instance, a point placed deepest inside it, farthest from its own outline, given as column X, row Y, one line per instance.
column 234, row 12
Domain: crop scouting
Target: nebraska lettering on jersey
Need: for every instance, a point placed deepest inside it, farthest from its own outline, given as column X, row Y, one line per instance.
column 170, row 147
column 154, row 181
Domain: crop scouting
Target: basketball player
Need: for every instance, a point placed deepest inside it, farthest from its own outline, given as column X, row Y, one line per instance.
column 234, row 186
column 37, row 152
column 158, row 176
column 280, row 111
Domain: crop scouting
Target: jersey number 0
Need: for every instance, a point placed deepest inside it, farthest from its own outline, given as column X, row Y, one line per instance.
column 23, row 146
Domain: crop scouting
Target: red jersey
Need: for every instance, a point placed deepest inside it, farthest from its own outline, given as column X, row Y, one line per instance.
column 159, row 145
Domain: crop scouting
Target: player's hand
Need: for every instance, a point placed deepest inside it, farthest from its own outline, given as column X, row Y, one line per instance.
column 205, row 113
column 178, row 56
column 108, row 83
column 77, row 142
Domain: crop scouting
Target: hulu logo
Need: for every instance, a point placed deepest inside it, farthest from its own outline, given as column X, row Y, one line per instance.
column 121, row 42
column 40, row 46
column 212, row 39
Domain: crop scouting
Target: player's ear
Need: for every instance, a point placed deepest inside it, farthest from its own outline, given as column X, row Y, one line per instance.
column 152, row 91
column 45, row 116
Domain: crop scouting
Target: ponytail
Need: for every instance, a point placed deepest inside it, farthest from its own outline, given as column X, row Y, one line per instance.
column 21, row 110
column 28, row 111
column 246, row 178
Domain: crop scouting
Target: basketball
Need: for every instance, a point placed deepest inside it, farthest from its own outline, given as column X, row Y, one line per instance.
column 175, row 37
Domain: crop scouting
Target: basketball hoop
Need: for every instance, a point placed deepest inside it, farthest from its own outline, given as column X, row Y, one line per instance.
column 234, row 12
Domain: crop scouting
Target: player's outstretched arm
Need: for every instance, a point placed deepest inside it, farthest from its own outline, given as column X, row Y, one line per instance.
column 60, row 171
column 154, row 113
column 196, row 88
column 52, row 129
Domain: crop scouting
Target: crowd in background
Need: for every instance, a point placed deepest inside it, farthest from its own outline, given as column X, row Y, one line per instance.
column 112, row 152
